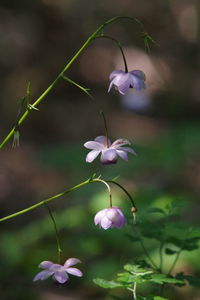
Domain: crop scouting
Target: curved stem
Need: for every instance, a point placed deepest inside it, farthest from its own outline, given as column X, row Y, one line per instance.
column 108, row 187
column 56, row 234
column 119, row 46
column 52, row 85
column 127, row 193
column 23, row 211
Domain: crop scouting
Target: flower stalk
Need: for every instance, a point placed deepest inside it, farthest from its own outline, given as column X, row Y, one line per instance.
column 119, row 46
column 56, row 234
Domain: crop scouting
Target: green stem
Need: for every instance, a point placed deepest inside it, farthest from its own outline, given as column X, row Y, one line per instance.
column 127, row 193
column 174, row 262
column 78, row 85
column 134, row 290
column 60, row 75
column 161, row 255
column 91, row 97
column 105, row 126
column 119, row 46
column 147, row 254
column 145, row 250
column 23, row 211
column 56, row 234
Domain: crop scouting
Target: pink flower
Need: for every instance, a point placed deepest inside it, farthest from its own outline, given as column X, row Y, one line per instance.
column 109, row 152
column 110, row 217
column 125, row 80
column 59, row 272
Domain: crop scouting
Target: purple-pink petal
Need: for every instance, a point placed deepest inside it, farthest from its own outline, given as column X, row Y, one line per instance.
column 127, row 149
column 139, row 74
column 109, row 156
column 118, row 210
column 74, row 271
column 137, row 83
column 94, row 145
column 120, row 222
column 115, row 73
column 99, row 216
column 124, row 84
column 43, row 275
column 45, row 264
column 71, row 262
column 61, row 276
column 120, row 142
column 55, row 267
column 105, row 223
column 123, row 154
column 120, row 79
column 110, row 86
column 103, row 140
column 92, row 155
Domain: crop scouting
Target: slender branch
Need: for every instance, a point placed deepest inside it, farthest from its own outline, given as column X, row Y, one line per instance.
column 23, row 211
column 60, row 75
column 56, row 234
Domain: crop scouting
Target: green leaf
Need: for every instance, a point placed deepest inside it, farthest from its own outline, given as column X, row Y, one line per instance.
column 170, row 251
column 133, row 239
column 153, row 231
column 106, row 284
column 136, row 270
column 128, row 279
column 162, row 278
column 192, row 280
column 188, row 244
column 157, row 210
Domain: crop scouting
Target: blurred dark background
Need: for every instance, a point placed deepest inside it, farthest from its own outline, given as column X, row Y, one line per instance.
column 37, row 39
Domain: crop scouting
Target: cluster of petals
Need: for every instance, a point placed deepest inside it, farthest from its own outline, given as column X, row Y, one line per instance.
column 122, row 81
column 109, row 151
column 110, row 217
column 59, row 272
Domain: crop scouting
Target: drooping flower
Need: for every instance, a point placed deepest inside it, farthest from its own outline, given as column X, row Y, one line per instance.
column 125, row 80
column 110, row 217
column 59, row 272
column 109, row 152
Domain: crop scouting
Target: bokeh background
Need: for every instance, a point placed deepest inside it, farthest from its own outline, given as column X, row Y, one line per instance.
column 162, row 122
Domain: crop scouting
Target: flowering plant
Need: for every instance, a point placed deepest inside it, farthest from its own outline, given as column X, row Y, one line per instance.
column 149, row 269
